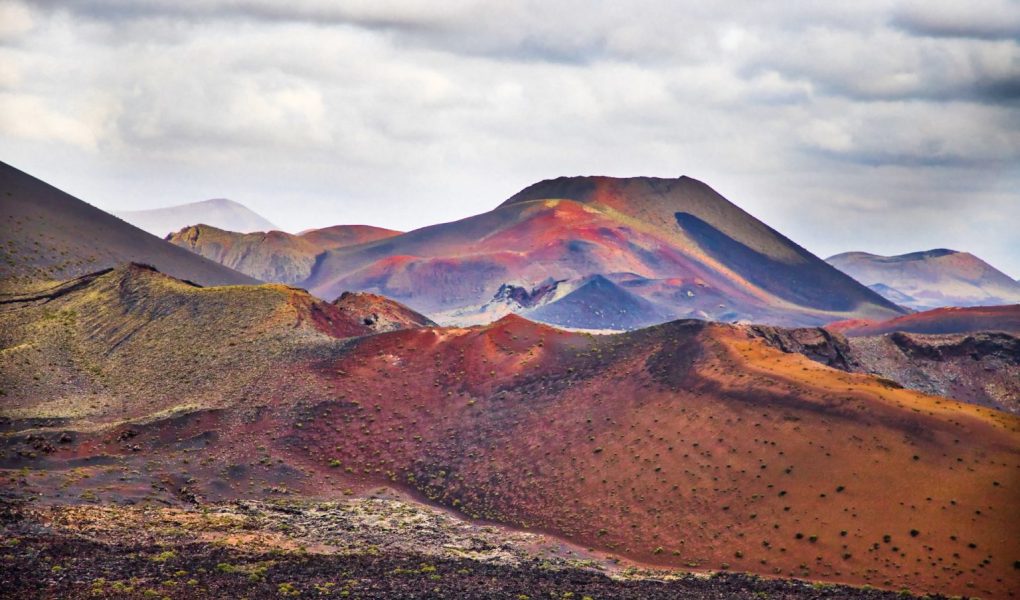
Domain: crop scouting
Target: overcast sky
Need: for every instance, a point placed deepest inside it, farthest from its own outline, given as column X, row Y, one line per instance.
column 868, row 125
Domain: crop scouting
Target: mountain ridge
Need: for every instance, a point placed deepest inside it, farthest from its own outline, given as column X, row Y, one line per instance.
column 687, row 445
column 931, row 278
column 572, row 228
column 272, row 255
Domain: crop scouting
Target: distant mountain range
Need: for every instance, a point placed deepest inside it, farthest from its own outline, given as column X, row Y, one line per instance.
column 930, row 279
column 46, row 234
column 273, row 255
column 585, row 252
column 218, row 212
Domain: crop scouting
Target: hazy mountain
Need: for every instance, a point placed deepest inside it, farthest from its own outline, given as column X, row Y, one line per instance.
column 930, row 279
column 218, row 212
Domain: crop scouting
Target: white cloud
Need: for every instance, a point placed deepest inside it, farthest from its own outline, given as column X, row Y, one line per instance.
column 30, row 117
column 15, row 19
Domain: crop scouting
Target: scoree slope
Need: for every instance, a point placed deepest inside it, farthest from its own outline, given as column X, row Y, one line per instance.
column 686, row 445
column 46, row 234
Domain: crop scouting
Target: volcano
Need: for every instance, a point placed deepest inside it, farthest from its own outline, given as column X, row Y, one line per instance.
column 676, row 247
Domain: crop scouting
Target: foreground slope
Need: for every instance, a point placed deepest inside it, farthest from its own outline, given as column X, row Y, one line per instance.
column 218, row 212
column 930, row 279
column 46, row 234
column 368, row 548
column 686, row 445
column 678, row 243
column 272, row 255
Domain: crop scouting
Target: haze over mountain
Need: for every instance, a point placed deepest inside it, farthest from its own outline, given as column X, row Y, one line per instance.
column 662, row 248
column 273, row 255
column 46, row 234
column 930, row 279
column 686, row 445
column 218, row 212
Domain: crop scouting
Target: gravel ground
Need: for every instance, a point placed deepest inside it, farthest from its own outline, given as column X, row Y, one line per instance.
column 363, row 548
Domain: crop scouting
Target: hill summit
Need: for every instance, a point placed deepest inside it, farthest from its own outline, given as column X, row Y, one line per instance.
column 675, row 243
column 218, row 212
column 931, row 278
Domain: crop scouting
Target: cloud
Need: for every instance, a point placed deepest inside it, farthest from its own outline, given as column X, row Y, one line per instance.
column 391, row 112
column 917, row 133
column 15, row 19
column 30, row 117
column 978, row 19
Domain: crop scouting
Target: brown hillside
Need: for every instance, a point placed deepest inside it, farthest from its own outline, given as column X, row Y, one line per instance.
column 46, row 234
column 379, row 313
column 687, row 445
column 273, row 255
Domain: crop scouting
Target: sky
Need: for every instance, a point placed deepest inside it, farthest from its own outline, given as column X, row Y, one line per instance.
column 870, row 125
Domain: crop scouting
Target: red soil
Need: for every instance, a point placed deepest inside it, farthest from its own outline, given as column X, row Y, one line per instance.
column 940, row 320
column 686, row 445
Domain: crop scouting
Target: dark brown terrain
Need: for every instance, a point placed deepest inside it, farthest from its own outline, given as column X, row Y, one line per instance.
column 46, row 235
column 361, row 548
column 979, row 368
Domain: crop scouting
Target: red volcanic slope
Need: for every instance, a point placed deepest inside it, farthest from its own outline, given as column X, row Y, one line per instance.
column 938, row 321
column 678, row 445
column 378, row 313
column 339, row 236
column 707, row 257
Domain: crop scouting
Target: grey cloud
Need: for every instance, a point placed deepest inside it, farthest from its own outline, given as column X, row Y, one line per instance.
column 316, row 112
column 977, row 19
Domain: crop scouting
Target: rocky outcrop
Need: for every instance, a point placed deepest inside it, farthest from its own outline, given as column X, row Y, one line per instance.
column 818, row 344
column 379, row 313
column 509, row 293
column 979, row 368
